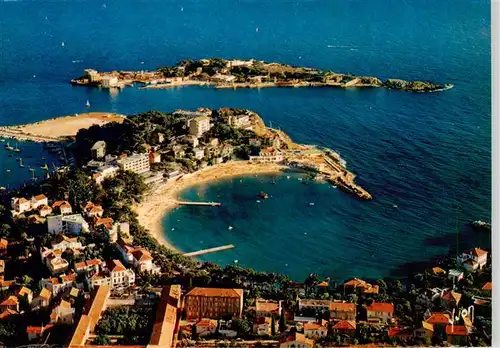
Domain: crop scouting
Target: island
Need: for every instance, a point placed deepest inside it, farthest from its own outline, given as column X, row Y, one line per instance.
column 234, row 73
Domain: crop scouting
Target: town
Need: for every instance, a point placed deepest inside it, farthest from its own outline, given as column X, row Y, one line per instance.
column 79, row 270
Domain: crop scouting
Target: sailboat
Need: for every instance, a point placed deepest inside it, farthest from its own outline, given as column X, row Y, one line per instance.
column 21, row 163
column 8, row 147
column 87, row 104
column 17, row 149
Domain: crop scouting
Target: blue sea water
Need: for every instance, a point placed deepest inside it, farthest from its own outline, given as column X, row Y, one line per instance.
column 424, row 157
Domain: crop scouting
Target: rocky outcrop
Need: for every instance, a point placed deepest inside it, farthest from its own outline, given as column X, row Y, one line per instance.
column 416, row 86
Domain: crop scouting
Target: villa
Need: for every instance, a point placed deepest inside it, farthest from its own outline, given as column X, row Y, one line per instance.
column 473, row 259
column 380, row 312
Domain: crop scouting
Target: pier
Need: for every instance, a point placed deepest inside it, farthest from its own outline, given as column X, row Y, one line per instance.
column 211, row 204
column 210, row 250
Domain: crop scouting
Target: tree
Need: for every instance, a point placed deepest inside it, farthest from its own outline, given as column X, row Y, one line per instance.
column 102, row 340
column 282, row 323
column 273, row 325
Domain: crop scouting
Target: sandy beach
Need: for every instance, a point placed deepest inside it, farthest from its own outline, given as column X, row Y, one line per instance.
column 64, row 126
column 160, row 201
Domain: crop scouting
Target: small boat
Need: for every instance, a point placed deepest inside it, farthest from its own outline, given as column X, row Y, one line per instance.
column 21, row 163
column 334, row 186
column 62, row 44
column 8, row 147
column 2, row 188
column 45, row 167
column 87, row 104
column 2, row 140
column 299, row 179
column 230, row 228
column 258, row 201
column 288, row 176
column 235, row 261
column 311, row 204
column 44, row 158
column 263, row 195
column 7, row 170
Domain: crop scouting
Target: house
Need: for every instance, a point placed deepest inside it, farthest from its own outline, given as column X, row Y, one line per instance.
column 143, row 261
column 62, row 313
column 56, row 263
column 20, row 205
column 73, row 224
column 314, row 330
column 402, row 334
column 205, row 327
column 296, row 340
column 115, row 275
column 380, row 312
column 6, row 284
column 56, row 285
column 213, row 302
column 35, row 332
column 39, row 200
column 439, row 321
column 457, row 335
column 269, row 154
column 36, row 219
column 98, row 150
column 342, row 311
column 26, row 293
column 473, row 259
column 11, row 303
column 425, row 330
column 93, row 210
column 62, row 242
column 104, row 172
column 456, row 275
column 42, row 300
column 239, row 121
column 267, row 308
column 316, row 306
column 263, row 326
column 450, row 299
column 345, row 327
column 199, row 153
column 361, row 286
column 105, row 222
column 44, row 210
column 4, row 244
column 88, row 266
column 487, row 287
column 63, row 207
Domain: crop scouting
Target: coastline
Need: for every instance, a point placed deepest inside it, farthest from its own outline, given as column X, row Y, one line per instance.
column 58, row 128
column 162, row 200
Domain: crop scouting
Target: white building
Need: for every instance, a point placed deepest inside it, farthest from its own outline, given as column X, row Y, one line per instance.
column 63, row 206
column 62, row 314
column 473, row 259
column 199, row 153
column 137, row 163
column 62, row 242
column 239, row 121
column 104, row 172
column 73, row 224
column 199, row 125
column 20, row 205
column 269, row 154
column 98, row 150
column 139, row 258
column 115, row 275
column 38, row 200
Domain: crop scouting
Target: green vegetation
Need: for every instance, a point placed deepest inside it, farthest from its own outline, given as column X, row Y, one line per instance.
column 133, row 323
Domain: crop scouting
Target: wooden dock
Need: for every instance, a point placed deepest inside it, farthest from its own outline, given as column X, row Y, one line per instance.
column 212, row 204
column 211, row 250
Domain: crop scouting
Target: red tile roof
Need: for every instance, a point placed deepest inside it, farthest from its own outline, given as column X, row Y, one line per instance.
column 487, row 286
column 115, row 266
column 342, row 307
column 34, row 329
column 439, row 318
column 381, row 307
column 313, row 326
column 216, row 292
column 456, row 330
column 40, row 197
column 451, row 295
column 476, row 252
column 10, row 301
column 142, row 255
column 345, row 325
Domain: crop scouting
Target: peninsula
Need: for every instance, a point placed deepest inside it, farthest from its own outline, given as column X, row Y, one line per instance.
column 224, row 73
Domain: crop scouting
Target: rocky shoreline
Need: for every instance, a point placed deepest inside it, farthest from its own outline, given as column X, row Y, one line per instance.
column 224, row 73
